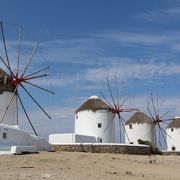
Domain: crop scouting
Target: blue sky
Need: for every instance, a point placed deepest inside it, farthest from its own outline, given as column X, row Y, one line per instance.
column 85, row 41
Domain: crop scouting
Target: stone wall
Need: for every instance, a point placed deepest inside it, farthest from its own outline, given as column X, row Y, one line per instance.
column 104, row 148
column 171, row 153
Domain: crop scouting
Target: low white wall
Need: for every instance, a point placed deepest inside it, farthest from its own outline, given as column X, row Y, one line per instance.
column 84, row 139
column 13, row 136
column 61, row 138
column 72, row 138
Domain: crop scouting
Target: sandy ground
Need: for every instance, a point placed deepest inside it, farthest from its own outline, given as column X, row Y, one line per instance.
column 84, row 166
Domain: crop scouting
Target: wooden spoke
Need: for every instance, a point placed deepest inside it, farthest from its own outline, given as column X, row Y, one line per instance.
column 27, row 115
column 120, row 138
column 150, row 112
column 157, row 105
column 44, row 69
column 164, row 131
column 159, row 137
column 161, row 106
column 124, row 102
column 4, row 62
column 35, row 101
column 109, row 123
column 30, row 59
column 9, row 103
column 111, row 93
column 120, row 118
column 163, row 136
column 171, row 119
column 164, row 114
column 19, row 48
column 39, row 87
column 106, row 100
column 152, row 100
column 117, row 92
column 129, row 110
column 5, row 48
column 35, row 77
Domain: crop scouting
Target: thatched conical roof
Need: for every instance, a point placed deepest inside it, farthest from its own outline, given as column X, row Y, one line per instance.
column 5, row 84
column 175, row 123
column 139, row 117
column 94, row 103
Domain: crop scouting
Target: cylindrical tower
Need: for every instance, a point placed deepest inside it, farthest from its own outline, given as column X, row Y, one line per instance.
column 140, row 126
column 95, row 118
column 173, row 130
column 6, row 92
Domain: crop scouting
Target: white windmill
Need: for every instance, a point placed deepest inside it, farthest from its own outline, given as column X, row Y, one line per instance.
column 140, row 126
column 173, row 130
column 10, row 83
column 93, row 117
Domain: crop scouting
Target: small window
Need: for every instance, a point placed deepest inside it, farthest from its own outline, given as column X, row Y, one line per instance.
column 130, row 126
column 76, row 116
column 131, row 143
column 173, row 148
column 4, row 135
column 172, row 129
column 99, row 125
column 100, row 140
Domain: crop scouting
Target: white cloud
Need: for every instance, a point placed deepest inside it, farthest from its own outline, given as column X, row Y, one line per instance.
column 124, row 71
column 132, row 37
column 160, row 15
column 143, row 38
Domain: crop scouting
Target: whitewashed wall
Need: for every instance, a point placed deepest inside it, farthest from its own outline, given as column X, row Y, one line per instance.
column 61, row 138
column 86, row 123
column 12, row 136
column 71, row 138
column 174, row 141
column 141, row 131
column 11, row 115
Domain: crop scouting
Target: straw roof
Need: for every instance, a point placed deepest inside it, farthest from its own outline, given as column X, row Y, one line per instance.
column 175, row 123
column 5, row 84
column 139, row 117
column 94, row 103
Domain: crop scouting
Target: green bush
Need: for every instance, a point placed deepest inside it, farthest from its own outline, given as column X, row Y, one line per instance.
column 153, row 148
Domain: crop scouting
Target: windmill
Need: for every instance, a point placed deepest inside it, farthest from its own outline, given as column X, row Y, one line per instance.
column 154, row 108
column 117, row 108
column 18, row 80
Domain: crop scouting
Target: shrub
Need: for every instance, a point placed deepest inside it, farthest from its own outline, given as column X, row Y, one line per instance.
column 153, row 148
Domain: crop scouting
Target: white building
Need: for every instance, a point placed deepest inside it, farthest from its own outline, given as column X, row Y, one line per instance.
column 173, row 130
column 13, row 136
column 140, row 126
column 94, row 123
column 93, row 119
column 10, row 134
column 6, row 92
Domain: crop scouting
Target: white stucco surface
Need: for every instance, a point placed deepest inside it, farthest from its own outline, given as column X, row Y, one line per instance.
column 141, row 131
column 71, row 138
column 86, row 123
column 173, row 143
column 10, row 117
column 13, row 136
